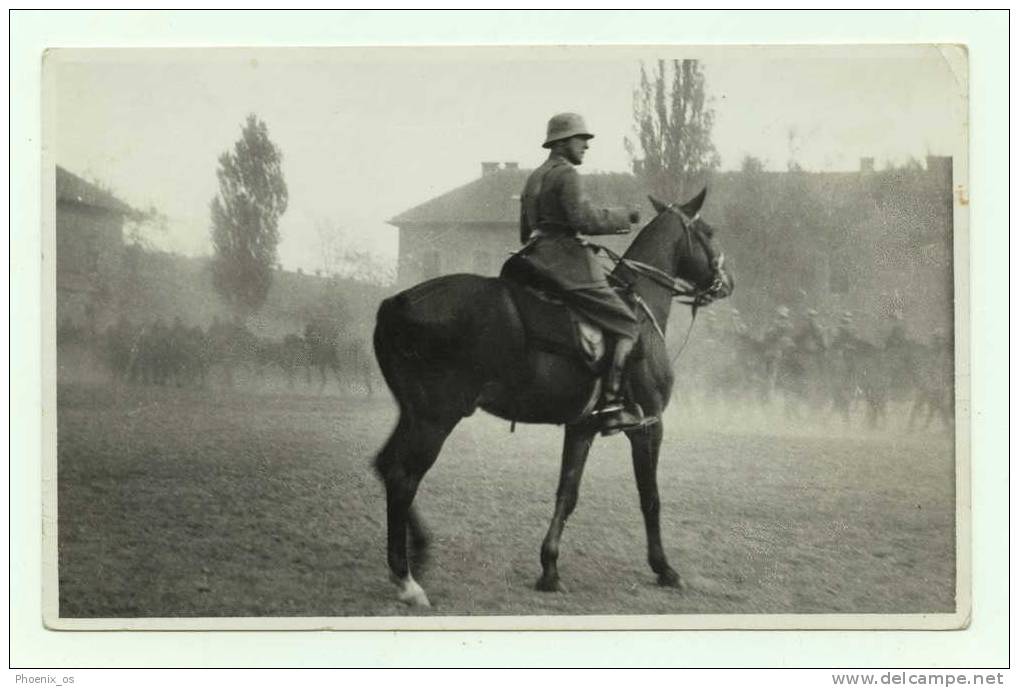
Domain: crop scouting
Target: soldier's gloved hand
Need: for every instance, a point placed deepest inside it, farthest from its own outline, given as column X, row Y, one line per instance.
column 634, row 217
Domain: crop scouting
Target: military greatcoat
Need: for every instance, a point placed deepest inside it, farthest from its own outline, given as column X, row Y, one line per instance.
column 554, row 211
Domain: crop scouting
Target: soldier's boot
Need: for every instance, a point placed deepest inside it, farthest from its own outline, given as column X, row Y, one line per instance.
column 614, row 414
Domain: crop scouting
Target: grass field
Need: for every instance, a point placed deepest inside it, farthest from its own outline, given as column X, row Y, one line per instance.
column 176, row 503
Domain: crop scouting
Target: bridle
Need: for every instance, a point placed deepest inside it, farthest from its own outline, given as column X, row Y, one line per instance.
column 681, row 289
column 701, row 297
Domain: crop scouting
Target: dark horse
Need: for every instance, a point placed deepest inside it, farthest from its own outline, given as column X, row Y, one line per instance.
column 454, row 343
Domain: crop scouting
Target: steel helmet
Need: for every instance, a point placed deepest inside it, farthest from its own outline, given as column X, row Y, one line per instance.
column 565, row 125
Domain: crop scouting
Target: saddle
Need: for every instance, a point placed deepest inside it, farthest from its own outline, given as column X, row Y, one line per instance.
column 552, row 326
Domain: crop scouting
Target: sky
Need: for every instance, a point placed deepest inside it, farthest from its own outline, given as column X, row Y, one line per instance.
column 368, row 133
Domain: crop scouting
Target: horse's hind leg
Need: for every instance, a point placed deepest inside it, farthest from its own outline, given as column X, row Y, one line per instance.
column 576, row 445
column 419, row 541
column 402, row 463
column 645, row 445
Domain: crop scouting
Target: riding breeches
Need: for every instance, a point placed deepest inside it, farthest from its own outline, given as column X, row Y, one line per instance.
column 570, row 269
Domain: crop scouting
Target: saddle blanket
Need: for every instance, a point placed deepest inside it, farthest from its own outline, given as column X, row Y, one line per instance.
column 552, row 326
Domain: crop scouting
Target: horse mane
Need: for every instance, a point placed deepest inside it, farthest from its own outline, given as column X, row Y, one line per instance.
column 648, row 246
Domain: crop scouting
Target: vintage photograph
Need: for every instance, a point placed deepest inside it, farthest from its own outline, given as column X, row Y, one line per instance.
column 507, row 337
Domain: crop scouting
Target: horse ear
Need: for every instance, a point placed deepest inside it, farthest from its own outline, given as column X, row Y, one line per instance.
column 693, row 206
column 660, row 207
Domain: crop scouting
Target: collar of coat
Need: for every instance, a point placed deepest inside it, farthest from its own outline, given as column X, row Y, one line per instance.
column 558, row 159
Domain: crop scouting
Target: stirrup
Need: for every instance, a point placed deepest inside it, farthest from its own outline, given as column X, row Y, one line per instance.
column 625, row 419
column 608, row 407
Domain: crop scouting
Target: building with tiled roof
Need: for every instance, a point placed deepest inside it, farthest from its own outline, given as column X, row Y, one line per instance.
column 100, row 279
column 89, row 250
column 474, row 227
column 73, row 190
column 878, row 243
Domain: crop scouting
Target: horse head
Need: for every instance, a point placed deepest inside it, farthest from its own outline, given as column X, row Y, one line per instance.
column 696, row 256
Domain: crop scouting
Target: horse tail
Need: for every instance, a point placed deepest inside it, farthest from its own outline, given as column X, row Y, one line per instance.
column 385, row 342
column 402, row 351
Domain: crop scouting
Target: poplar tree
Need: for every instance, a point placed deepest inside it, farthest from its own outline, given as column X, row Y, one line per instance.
column 673, row 152
column 245, row 219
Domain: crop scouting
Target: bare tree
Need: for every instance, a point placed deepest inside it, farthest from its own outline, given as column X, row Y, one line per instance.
column 672, row 118
column 366, row 267
column 245, row 218
column 349, row 263
column 329, row 242
column 142, row 225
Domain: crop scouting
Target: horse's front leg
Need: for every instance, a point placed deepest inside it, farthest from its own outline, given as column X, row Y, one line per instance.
column 646, row 444
column 576, row 445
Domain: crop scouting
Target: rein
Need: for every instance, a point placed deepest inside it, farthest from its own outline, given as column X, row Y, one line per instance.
column 680, row 289
column 693, row 318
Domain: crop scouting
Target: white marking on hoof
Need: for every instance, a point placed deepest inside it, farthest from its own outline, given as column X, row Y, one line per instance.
column 412, row 594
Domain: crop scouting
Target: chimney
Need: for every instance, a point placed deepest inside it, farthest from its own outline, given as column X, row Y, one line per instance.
column 866, row 165
column 488, row 168
column 511, row 166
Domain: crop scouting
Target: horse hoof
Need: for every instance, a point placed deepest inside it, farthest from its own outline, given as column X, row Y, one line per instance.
column 419, row 599
column 549, row 585
column 670, row 579
column 413, row 594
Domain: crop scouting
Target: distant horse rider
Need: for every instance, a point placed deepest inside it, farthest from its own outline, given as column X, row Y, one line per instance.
column 778, row 344
column 554, row 211
column 738, row 326
column 897, row 336
column 846, row 339
column 810, row 337
column 779, row 337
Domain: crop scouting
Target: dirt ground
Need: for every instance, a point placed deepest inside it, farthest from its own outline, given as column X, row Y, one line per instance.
column 182, row 503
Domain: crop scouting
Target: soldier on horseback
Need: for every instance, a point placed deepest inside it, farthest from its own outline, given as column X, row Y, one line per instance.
column 554, row 212
column 846, row 339
column 897, row 335
column 778, row 343
column 810, row 337
column 457, row 343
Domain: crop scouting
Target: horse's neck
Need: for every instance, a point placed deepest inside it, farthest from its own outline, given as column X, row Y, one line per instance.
column 653, row 247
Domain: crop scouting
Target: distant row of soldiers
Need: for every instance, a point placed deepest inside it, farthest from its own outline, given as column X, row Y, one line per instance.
column 811, row 367
column 157, row 353
column 185, row 356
